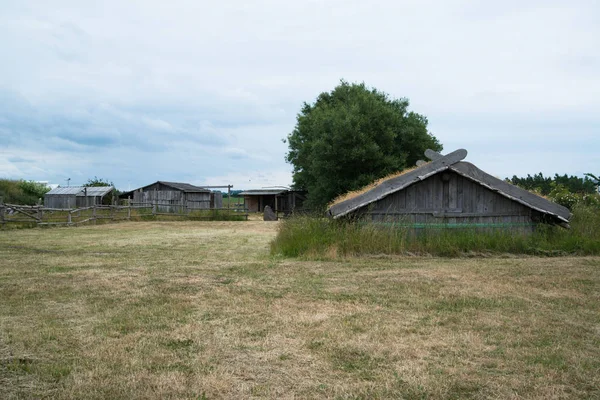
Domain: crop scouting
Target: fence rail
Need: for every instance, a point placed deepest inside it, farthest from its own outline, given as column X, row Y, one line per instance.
column 42, row 216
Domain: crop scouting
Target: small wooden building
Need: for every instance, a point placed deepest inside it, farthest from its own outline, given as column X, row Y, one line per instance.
column 451, row 193
column 172, row 196
column 279, row 199
column 76, row 196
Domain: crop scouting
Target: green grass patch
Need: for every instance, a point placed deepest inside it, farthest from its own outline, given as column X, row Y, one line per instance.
column 318, row 238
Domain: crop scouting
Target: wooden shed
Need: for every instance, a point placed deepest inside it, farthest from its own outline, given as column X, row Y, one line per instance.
column 169, row 196
column 450, row 193
column 279, row 199
column 76, row 196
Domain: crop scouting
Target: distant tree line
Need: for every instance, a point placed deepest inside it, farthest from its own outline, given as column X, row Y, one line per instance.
column 568, row 191
column 234, row 193
column 545, row 184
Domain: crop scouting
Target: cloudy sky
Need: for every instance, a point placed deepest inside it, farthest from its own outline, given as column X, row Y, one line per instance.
column 204, row 92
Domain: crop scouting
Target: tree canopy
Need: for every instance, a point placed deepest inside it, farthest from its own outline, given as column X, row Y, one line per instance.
column 352, row 136
column 594, row 178
column 98, row 182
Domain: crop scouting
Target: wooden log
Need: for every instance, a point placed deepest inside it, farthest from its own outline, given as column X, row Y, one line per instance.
column 229, row 195
column 35, row 217
column 19, row 206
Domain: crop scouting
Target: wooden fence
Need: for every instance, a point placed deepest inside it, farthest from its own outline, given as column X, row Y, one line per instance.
column 13, row 213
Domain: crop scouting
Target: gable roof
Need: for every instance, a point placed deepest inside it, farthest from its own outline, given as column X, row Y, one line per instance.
column 262, row 192
column 81, row 191
column 184, row 187
column 451, row 161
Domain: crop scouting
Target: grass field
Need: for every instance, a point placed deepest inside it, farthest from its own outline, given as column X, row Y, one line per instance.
column 201, row 310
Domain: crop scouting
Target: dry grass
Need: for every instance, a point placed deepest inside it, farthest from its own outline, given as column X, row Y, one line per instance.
column 370, row 186
column 200, row 310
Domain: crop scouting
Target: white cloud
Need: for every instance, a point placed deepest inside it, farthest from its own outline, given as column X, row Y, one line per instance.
column 196, row 90
column 256, row 179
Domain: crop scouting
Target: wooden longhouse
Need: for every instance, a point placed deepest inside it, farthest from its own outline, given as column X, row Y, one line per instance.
column 170, row 195
column 451, row 193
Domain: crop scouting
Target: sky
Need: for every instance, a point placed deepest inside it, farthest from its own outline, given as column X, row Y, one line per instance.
column 204, row 92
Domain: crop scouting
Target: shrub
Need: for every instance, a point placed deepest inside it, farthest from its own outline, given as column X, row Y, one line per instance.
column 561, row 195
column 22, row 192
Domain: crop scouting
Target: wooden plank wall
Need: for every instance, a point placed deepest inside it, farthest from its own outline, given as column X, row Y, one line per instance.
column 251, row 203
column 216, row 200
column 170, row 200
column 198, row 200
column 60, row 201
column 88, row 201
column 450, row 198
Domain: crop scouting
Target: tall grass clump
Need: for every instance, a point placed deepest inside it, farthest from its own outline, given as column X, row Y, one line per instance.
column 303, row 234
column 312, row 237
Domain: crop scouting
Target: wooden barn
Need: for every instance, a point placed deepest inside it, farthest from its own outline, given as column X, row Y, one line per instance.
column 279, row 199
column 77, row 196
column 450, row 193
column 168, row 196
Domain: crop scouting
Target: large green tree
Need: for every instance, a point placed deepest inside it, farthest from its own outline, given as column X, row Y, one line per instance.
column 352, row 136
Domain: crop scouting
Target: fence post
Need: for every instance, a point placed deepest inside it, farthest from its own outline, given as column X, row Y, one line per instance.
column 228, row 196
column 155, row 207
column 41, row 214
column 68, row 217
column 128, row 208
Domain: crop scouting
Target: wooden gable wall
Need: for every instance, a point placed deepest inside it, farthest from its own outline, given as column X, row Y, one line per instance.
column 450, row 198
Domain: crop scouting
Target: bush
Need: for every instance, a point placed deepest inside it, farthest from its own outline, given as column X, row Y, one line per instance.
column 22, row 192
column 561, row 195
